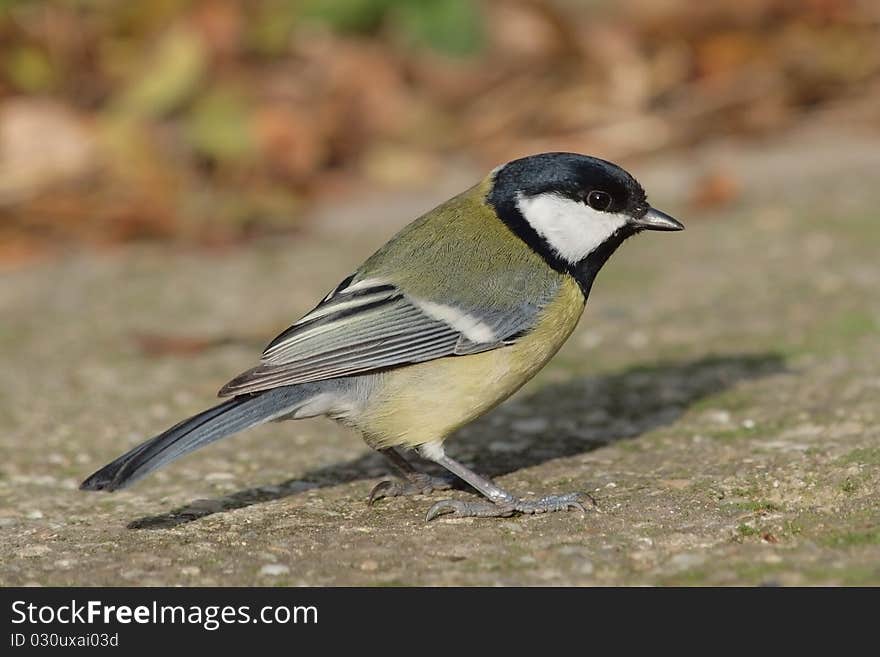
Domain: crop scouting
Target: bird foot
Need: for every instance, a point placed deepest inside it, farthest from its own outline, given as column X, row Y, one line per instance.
column 415, row 484
column 505, row 509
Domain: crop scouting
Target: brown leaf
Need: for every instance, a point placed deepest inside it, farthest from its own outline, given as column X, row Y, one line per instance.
column 714, row 190
column 290, row 142
column 156, row 344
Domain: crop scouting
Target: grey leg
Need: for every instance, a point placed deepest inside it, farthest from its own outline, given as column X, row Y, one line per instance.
column 501, row 504
column 412, row 481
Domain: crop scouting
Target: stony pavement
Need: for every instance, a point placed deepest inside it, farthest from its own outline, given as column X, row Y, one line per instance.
column 719, row 400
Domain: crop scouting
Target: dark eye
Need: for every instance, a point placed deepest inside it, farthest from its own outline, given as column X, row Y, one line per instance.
column 599, row 200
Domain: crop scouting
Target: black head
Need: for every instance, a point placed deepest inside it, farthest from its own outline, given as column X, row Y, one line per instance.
column 572, row 209
column 574, row 177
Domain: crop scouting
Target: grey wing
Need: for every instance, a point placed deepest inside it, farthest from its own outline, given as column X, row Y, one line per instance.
column 371, row 325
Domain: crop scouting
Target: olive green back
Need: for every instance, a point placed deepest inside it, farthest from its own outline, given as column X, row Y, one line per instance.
column 462, row 251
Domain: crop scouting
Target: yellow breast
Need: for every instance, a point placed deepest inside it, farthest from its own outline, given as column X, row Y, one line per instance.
column 426, row 402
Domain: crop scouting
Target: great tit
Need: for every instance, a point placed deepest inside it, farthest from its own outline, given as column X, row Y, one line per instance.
column 443, row 323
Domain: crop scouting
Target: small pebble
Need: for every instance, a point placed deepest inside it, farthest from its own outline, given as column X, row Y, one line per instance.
column 686, row 560
column 274, row 569
column 507, row 446
column 719, row 416
column 219, row 476
column 34, row 551
column 532, row 425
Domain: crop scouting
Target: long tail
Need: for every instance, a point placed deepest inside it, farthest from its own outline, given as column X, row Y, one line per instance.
column 223, row 420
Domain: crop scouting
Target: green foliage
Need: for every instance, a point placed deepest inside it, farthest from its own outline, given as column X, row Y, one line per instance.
column 358, row 16
column 218, row 126
column 758, row 506
column 454, row 27
column 855, row 324
column 865, row 455
column 268, row 29
column 747, row 530
column 838, row 331
column 853, row 539
column 6, row 4
column 850, row 485
column 450, row 26
column 169, row 75
column 29, row 69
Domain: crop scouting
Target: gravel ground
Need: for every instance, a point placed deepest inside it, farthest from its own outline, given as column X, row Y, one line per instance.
column 719, row 401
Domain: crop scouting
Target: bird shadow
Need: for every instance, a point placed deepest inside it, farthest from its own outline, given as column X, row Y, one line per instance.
column 559, row 420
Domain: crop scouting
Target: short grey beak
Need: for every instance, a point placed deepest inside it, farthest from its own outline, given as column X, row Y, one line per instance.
column 655, row 220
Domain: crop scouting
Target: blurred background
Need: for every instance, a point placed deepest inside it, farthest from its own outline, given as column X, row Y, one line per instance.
column 209, row 122
column 181, row 179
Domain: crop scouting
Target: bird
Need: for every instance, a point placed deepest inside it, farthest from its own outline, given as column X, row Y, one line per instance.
column 444, row 322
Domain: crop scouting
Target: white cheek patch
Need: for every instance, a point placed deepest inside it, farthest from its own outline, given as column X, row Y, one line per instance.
column 572, row 229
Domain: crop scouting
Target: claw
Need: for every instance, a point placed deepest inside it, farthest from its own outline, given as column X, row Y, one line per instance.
column 462, row 509
column 593, row 502
column 418, row 484
column 379, row 491
column 578, row 503
column 441, row 509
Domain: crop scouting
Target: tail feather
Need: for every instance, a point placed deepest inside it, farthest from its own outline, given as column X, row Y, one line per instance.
column 218, row 422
